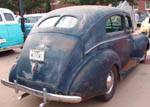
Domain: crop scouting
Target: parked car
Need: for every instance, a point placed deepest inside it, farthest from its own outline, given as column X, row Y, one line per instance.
column 30, row 20
column 11, row 36
column 77, row 53
column 142, row 16
column 145, row 26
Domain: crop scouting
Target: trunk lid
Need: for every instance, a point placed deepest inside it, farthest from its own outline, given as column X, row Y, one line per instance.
column 55, row 52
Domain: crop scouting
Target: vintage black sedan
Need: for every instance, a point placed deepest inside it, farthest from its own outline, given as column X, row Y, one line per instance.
column 76, row 53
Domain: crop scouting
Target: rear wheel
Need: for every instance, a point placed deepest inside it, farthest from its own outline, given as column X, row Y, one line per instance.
column 111, row 83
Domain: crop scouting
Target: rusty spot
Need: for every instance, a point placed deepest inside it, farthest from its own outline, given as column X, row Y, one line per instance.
column 78, row 78
column 27, row 75
column 130, row 64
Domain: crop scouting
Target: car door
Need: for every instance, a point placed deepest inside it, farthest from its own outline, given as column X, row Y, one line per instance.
column 3, row 33
column 118, row 38
column 14, row 30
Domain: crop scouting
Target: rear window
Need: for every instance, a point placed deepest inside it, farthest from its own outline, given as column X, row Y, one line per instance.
column 8, row 17
column 50, row 22
column 67, row 22
column 64, row 22
column 1, row 18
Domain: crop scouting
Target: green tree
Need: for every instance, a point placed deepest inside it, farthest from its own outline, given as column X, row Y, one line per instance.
column 47, row 6
column 3, row 3
column 28, row 5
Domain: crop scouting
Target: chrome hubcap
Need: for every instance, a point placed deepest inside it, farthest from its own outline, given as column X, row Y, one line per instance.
column 110, row 82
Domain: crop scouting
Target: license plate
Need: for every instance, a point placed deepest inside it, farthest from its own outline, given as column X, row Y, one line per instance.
column 2, row 40
column 37, row 55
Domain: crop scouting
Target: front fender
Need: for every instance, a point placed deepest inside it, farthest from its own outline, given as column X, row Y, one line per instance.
column 90, row 79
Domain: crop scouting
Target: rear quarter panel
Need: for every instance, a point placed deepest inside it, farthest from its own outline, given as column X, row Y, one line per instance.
column 90, row 78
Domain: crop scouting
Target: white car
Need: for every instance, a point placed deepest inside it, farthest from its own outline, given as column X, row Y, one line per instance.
column 145, row 26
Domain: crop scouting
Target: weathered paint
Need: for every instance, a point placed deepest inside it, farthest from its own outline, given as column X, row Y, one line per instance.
column 140, row 43
column 77, row 60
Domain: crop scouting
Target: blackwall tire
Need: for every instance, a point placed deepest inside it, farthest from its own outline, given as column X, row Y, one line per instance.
column 111, row 90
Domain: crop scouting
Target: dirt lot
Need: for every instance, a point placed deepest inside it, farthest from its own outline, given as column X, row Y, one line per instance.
column 134, row 91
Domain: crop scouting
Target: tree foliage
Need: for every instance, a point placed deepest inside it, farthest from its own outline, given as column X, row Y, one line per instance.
column 28, row 5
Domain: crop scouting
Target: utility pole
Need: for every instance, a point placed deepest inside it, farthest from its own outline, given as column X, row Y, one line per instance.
column 22, row 17
column 115, row 2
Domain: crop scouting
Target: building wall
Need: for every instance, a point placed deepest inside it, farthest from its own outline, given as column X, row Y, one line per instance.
column 141, row 6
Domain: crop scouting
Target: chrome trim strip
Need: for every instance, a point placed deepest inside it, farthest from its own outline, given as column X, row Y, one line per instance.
column 12, row 47
column 101, row 43
column 49, row 96
column 44, row 95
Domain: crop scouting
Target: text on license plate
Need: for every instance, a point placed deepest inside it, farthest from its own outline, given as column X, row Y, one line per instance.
column 37, row 55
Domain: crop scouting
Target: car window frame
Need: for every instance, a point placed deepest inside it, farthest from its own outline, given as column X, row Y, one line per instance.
column 111, row 34
column 66, row 16
column 47, row 19
column 130, row 29
column 1, row 18
column 3, row 22
column 10, row 14
column 60, row 17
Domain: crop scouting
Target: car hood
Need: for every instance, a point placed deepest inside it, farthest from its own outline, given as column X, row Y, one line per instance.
column 61, row 54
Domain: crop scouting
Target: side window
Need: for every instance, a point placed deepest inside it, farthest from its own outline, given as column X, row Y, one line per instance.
column 108, row 26
column 114, row 24
column 128, row 24
column 67, row 22
column 8, row 17
column 1, row 18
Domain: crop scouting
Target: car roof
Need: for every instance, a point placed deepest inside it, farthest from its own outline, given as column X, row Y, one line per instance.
column 33, row 15
column 88, row 17
column 5, row 10
column 76, row 10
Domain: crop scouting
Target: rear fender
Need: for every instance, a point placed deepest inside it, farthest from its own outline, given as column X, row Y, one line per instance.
column 91, row 77
column 13, row 71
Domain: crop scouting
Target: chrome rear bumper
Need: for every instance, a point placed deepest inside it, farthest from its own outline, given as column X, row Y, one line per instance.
column 43, row 94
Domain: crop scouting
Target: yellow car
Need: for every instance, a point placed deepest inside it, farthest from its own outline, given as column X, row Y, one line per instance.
column 145, row 26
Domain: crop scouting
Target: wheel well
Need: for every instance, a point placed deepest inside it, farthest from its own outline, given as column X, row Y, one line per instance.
column 118, row 73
